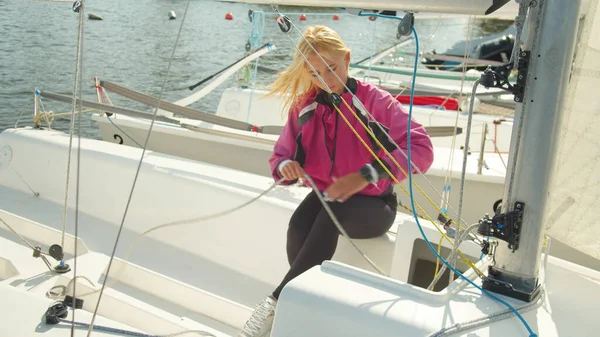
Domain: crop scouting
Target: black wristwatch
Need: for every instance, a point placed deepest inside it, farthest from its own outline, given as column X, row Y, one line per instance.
column 367, row 173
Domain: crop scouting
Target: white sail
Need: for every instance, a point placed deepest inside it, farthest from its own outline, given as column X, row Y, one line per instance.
column 470, row 7
column 571, row 211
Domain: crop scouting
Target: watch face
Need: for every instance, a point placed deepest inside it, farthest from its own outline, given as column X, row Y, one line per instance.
column 365, row 172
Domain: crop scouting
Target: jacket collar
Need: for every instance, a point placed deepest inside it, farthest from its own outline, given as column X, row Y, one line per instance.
column 324, row 98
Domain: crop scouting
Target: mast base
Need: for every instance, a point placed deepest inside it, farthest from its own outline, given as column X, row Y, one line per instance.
column 503, row 284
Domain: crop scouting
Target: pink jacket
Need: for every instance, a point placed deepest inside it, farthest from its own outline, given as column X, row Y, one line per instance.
column 329, row 149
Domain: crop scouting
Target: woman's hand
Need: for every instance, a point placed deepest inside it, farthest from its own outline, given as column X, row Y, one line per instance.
column 345, row 187
column 292, row 171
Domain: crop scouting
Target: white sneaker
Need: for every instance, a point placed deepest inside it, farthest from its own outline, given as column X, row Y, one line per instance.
column 261, row 321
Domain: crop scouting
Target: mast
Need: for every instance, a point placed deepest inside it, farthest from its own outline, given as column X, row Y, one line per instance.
column 544, row 72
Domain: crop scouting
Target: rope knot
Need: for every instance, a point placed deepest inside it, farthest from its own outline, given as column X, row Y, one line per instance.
column 43, row 115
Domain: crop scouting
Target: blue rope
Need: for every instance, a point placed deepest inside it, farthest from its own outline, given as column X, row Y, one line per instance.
column 380, row 16
column 410, row 186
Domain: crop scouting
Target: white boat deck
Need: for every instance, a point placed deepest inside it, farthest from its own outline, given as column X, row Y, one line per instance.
column 316, row 303
column 208, row 275
column 27, row 308
column 166, row 257
column 24, row 282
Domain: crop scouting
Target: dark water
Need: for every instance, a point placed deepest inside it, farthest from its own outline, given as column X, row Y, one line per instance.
column 133, row 45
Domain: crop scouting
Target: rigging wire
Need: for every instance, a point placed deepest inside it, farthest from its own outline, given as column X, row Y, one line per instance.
column 138, row 167
column 78, row 82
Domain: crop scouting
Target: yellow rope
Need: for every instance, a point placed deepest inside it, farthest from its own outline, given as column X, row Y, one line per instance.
column 387, row 170
column 472, row 265
column 437, row 260
column 410, row 210
column 395, row 162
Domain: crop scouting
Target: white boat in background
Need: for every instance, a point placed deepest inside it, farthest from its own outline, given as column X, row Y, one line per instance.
column 155, row 244
column 249, row 106
column 250, row 151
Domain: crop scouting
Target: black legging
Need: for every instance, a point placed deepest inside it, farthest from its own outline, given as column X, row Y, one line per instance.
column 312, row 236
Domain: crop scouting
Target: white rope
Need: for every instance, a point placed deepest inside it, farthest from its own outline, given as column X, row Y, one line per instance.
column 461, row 193
column 466, row 150
column 196, row 220
column 189, row 221
column 43, row 113
column 339, row 226
column 452, row 261
column 50, row 116
column 64, row 290
column 453, row 256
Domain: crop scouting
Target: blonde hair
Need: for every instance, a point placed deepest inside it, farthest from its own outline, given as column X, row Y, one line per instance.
column 295, row 80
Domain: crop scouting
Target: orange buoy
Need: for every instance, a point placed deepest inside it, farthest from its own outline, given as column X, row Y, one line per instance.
column 303, row 17
column 228, row 16
column 372, row 18
column 335, row 18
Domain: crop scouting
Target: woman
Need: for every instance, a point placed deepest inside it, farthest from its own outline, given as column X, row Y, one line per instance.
column 317, row 141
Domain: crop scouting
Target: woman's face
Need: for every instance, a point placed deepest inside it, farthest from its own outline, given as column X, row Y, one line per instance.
column 338, row 66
